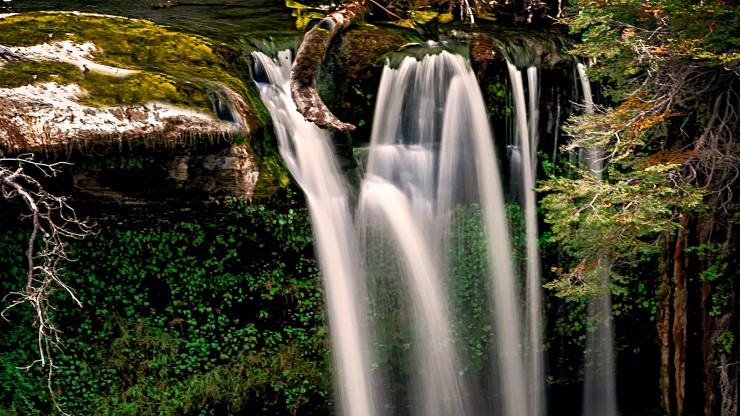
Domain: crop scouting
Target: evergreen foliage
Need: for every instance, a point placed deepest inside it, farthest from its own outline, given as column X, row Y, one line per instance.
column 663, row 214
column 655, row 131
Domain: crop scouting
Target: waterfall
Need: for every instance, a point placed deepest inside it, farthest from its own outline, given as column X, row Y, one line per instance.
column 430, row 219
column 307, row 152
column 599, row 391
column 526, row 141
column 431, row 142
column 588, row 101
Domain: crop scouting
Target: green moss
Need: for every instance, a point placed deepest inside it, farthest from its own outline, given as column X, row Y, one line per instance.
column 260, row 111
column 445, row 18
column 176, row 67
column 140, row 88
column 106, row 90
column 17, row 74
column 273, row 177
column 424, row 17
column 127, row 43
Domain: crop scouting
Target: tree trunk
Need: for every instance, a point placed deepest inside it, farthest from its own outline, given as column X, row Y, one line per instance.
column 707, row 347
column 663, row 324
column 311, row 53
column 729, row 372
column 680, row 299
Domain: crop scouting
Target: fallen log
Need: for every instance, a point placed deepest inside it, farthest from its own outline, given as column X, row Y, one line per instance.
column 311, row 53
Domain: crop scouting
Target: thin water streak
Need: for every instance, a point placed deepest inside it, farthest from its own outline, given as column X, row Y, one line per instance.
column 307, row 152
column 599, row 391
column 527, row 142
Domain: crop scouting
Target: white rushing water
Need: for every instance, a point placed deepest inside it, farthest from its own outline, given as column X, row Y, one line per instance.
column 599, row 390
column 431, row 167
column 431, row 142
column 526, row 141
column 308, row 153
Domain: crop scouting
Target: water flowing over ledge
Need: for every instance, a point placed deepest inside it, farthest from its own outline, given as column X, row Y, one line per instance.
column 431, row 163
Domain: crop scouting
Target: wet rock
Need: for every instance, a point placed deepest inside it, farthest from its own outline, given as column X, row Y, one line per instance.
column 230, row 171
column 351, row 72
column 160, row 179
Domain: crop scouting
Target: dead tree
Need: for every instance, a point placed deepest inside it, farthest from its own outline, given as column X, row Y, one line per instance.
column 305, row 72
column 53, row 223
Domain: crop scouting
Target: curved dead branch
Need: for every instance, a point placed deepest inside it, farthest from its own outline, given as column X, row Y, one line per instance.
column 53, row 223
column 305, row 71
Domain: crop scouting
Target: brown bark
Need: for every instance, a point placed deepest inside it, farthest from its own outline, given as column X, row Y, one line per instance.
column 680, row 299
column 305, row 72
column 663, row 324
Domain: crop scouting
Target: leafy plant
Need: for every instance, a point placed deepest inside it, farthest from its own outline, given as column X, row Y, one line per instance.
column 183, row 319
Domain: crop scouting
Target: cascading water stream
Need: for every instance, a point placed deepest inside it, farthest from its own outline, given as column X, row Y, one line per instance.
column 431, row 112
column 599, row 391
column 308, row 154
column 439, row 391
column 588, row 100
column 527, row 143
column 431, row 162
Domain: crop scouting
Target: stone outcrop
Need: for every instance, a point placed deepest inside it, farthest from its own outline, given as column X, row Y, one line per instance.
column 147, row 183
column 43, row 116
column 58, row 107
column 93, row 83
column 231, row 170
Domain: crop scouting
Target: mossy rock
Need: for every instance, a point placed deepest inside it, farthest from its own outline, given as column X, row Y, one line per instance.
column 351, row 72
column 173, row 67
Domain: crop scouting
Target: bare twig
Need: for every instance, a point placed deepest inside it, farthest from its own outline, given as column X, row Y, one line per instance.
column 390, row 13
column 53, row 223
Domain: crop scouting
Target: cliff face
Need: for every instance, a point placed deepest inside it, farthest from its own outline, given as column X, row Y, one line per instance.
column 87, row 86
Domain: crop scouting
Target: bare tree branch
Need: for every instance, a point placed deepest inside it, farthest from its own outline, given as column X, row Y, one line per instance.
column 308, row 59
column 54, row 222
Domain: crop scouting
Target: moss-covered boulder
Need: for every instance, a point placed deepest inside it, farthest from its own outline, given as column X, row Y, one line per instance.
column 68, row 79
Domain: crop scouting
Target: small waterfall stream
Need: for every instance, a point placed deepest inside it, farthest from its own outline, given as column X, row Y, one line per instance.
column 308, row 154
column 599, row 391
column 526, row 141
